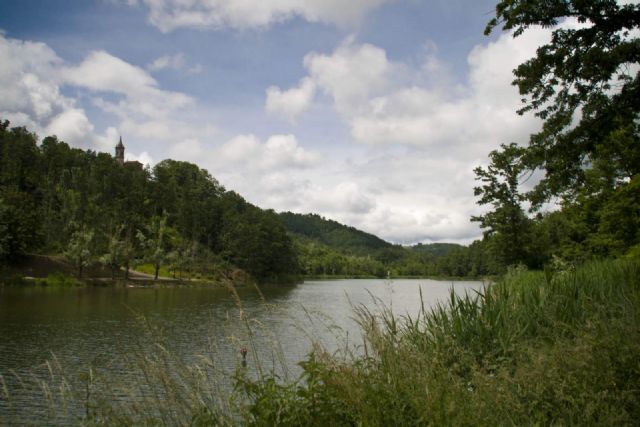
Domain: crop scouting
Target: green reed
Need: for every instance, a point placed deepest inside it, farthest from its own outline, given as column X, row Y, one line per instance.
column 534, row 348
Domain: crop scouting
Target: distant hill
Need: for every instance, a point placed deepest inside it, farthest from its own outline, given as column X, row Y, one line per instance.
column 344, row 238
column 327, row 248
column 436, row 249
column 333, row 234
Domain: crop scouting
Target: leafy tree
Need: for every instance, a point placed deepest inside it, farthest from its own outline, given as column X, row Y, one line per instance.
column 4, row 232
column 155, row 243
column 115, row 255
column 584, row 84
column 79, row 250
column 506, row 225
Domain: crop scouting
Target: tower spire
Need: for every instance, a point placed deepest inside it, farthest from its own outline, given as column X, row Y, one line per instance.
column 120, row 152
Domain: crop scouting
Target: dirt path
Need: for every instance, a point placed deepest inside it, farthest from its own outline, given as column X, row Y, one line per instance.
column 139, row 275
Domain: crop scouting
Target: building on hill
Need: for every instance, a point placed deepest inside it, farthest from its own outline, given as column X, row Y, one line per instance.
column 120, row 152
column 120, row 156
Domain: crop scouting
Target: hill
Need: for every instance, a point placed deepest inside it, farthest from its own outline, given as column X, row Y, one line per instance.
column 329, row 248
column 437, row 249
column 331, row 233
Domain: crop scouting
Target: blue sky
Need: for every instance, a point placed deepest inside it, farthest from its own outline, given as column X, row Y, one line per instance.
column 370, row 112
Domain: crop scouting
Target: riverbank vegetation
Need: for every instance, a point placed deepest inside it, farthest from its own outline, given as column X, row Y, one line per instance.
column 535, row 348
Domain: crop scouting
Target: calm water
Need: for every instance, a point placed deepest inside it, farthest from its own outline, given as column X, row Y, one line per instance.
column 101, row 327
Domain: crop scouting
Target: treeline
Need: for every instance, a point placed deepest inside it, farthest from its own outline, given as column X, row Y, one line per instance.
column 328, row 248
column 84, row 205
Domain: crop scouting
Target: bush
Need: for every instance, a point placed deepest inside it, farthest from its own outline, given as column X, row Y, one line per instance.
column 61, row 280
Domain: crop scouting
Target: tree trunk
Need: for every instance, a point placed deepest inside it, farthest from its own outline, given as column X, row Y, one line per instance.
column 157, row 270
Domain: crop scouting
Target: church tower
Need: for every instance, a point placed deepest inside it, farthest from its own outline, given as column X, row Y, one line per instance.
column 120, row 152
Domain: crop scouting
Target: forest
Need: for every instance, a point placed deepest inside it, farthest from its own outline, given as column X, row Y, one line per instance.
column 85, row 206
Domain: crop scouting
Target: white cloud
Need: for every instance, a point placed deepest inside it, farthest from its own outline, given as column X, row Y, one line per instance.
column 390, row 103
column 174, row 62
column 71, row 126
column 279, row 152
column 102, row 72
column 423, row 135
column 31, row 96
column 144, row 158
column 351, row 75
column 292, row 102
column 33, row 77
column 168, row 15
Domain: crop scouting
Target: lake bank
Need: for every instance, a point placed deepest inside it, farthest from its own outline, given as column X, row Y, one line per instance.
column 55, row 271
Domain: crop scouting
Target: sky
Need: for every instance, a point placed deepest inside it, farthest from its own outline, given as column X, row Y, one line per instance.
column 373, row 113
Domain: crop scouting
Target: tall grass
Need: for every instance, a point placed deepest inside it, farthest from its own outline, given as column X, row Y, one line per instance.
column 535, row 348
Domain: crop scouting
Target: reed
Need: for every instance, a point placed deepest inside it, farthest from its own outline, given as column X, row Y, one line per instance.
column 535, row 348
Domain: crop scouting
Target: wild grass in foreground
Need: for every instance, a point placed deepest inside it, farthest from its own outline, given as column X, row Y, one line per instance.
column 535, row 348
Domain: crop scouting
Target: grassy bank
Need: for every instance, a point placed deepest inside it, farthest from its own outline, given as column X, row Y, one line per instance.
column 555, row 348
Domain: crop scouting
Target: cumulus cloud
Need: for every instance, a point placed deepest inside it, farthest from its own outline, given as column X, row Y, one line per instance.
column 291, row 103
column 168, row 15
column 102, row 72
column 423, row 133
column 386, row 102
column 31, row 95
column 174, row 62
column 33, row 78
column 352, row 74
column 144, row 110
column 278, row 152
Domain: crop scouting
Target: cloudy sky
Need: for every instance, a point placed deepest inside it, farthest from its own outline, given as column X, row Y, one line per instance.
column 370, row 112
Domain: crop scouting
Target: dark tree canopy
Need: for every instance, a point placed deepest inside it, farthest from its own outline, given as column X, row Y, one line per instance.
column 584, row 84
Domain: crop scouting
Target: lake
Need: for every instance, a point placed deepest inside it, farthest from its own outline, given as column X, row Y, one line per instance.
column 109, row 328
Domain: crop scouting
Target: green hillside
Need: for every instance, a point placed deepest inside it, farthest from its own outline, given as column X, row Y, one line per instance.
column 437, row 249
column 328, row 248
column 333, row 234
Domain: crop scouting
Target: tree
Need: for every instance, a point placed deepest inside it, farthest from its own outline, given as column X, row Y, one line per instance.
column 507, row 225
column 115, row 255
column 584, row 84
column 79, row 250
column 156, row 243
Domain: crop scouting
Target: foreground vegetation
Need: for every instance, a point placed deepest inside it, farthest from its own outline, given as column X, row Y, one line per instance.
column 555, row 348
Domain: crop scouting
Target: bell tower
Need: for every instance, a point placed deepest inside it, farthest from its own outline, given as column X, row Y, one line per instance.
column 120, row 152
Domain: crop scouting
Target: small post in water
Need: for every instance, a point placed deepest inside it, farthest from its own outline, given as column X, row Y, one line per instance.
column 243, row 353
